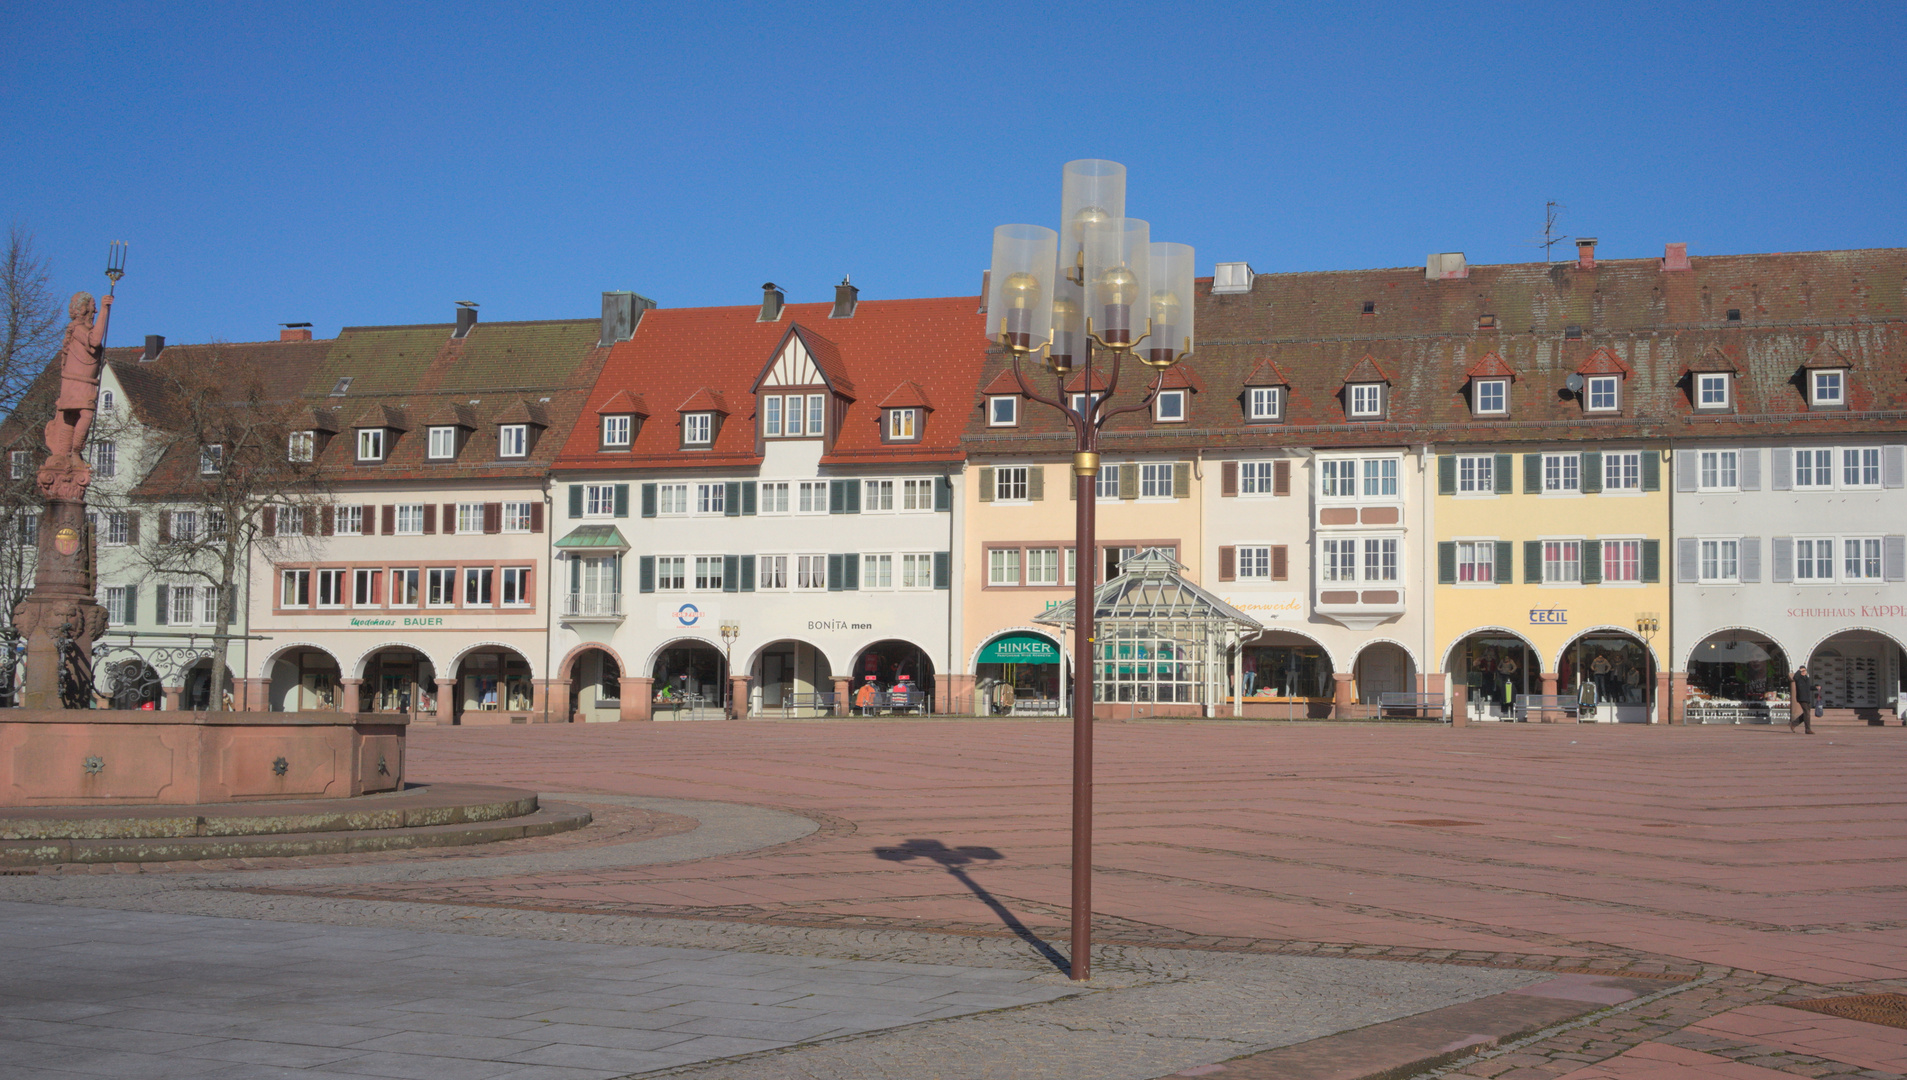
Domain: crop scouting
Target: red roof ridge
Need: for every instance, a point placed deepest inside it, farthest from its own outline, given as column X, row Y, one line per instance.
column 622, row 401
column 1604, row 361
column 907, row 395
column 1367, row 370
column 1490, row 366
column 704, row 400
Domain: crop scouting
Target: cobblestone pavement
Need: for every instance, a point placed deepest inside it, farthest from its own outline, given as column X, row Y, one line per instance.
column 1766, row 868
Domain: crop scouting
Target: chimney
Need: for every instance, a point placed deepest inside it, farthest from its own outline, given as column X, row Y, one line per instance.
column 1446, row 266
column 1675, row 257
column 295, row 331
column 622, row 311
column 771, row 299
column 845, row 297
column 1585, row 253
column 155, row 344
column 466, row 319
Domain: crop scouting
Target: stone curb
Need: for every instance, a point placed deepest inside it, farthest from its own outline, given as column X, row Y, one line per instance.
column 543, row 821
column 436, row 804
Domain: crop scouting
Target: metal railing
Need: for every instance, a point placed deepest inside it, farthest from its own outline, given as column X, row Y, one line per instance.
column 1403, row 703
column 1548, row 707
column 585, row 605
column 820, row 703
column 893, row 701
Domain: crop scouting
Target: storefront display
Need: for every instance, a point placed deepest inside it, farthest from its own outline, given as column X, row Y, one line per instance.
column 1737, row 678
column 1495, row 670
column 1611, row 674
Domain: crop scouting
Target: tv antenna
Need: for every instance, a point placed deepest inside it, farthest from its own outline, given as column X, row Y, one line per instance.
column 1550, row 237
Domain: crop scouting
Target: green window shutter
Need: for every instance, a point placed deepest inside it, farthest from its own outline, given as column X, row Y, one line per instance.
column 1651, row 471
column 943, row 494
column 1504, row 463
column 1181, row 479
column 1505, row 553
column 853, row 488
column 1592, row 562
column 575, row 575
column 576, row 500
column 648, row 500
column 160, row 608
column 748, row 573
column 837, row 497
column 834, row 573
column 615, row 583
column 731, row 573
column 646, row 573
column 132, row 604
column 732, row 499
column 851, row 572
column 986, row 483
column 1532, row 562
column 1532, row 474
column 622, row 500
column 1129, row 480
column 749, row 488
column 1035, row 483
column 943, row 569
column 1446, row 561
column 1592, row 472
column 1651, row 556
column 1447, row 475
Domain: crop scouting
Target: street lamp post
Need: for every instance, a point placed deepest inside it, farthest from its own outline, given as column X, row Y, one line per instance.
column 1060, row 295
column 730, row 631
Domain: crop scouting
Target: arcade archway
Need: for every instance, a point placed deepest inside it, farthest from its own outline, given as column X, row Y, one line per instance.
column 791, row 678
column 1494, row 666
column 303, row 679
column 398, row 679
column 892, row 675
column 1285, row 675
column 1737, row 676
column 691, row 681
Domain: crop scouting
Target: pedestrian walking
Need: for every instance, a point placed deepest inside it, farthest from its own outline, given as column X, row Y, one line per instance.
column 1801, row 697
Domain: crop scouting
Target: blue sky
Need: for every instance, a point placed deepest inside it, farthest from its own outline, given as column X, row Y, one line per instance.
column 369, row 164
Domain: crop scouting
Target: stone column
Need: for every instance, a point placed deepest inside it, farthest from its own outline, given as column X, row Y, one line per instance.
column 1671, row 697
column 1550, row 678
column 172, row 697
column 953, row 694
column 446, row 712
column 553, row 693
column 1431, row 684
column 738, row 695
column 1341, row 697
column 842, row 700
column 353, row 702
column 638, row 698
column 254, row 695
column 1460, row 705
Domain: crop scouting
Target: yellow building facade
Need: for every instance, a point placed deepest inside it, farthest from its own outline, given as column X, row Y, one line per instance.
column 1551, row 580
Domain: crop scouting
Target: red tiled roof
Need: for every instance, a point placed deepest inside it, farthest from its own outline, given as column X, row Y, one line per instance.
column 907, row 395
column 704, row 400
column 1267, row 373
column 1077, row 383
column 1604, row 361
column 1490, row 366
column 1003, row 383
column 1713, row 360
column 622, row 401
column 1825, row 355
column 1181, row 377
column 676, row 353
column 1367, row 370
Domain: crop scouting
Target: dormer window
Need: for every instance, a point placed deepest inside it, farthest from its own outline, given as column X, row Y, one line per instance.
column 1490, row 397
column 1711, row 391
column 1827, row 389
column 513, row 440
column 1265, row 404
column 1365, row 400
column 370, row 445
column 442, row 443
column 1169, row 408
column 698, row 429
column 617, row 431
column 793, row 416
column 903, row 425
column 1003, row 411
column 1602, row 394
column 211, row 459
column 1084, row 404
column 302, row 446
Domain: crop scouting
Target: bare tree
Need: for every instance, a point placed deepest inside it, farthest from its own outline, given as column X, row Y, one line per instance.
column 221, row 473
column 32, row 322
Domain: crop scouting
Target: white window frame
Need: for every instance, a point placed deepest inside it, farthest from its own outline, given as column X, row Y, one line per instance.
column 1337, row 478
column 1860, row 467
column 1828, row 388
column 672, row 573
column 599, row 500
column 917, row 495
column 1480, row 558
column 1043, row 566
column 1805, row 566
column 1598, row 387
column 1175, row 414
column 106, row 401
column 1718, row 560
column 409, row 519
column 440, row 586
column 118, row 529
column 672, row 500
column 183, row 601
column 772, row 498
column 1485, row 389
column 1622, row 471
column 1563, row 474
column 1156, row 481
column 20, row 463
column 516, row 586
column 813, row 569
column 103, row 456
column 185, row 524
column 470, row 517
column 1565, row 569
column 877, row 496
column 1253, row 562
column 513, row 440
column 811, row 497
column 347, row 521
column 301, row 446
column 1381, row 473
column 1711, row 390
column 1337, row 562
column 1819, row 461
column 877, row 571
column 329, row 586
column 1003, row 410
column 1004, row 567
column 113, row 599
column 516, row 517
column 698, row 429
column 1365, row 399
column 1629, row 570
column 771, row 573
column 404, row 588
column 211, row 459
column 1257, row 479
column 1106, row 484
column 1265, row 403
column 364, row 587
column 1380, row 559
column 817, row 415
column 903, row 425
column 1010, row 484
column 618, row 431
column 711, row 499
column 371, row 444
column 1718, row 470
column 1862, row 560
column 1078, row 401
column 294, row 589
column 442, row 443
column 1476, row 474
column 708, row 576
column 919, row 564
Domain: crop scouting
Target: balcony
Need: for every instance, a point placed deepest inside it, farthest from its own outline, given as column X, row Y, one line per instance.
column 593, row 607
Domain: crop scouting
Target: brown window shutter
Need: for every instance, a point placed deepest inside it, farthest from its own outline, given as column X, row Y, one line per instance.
column 1035, row 483
column 1181, row 479
column 493, row 517
column 328, row 520
column 1228, row 480
column 536, row 517
column 1280, row 563
column 450, row 519
column 367, row 520
column 377, row 586
column 165, row 527
column 1129, row 480
column 310, row 523
column 268, row 523
column 1228, row 563
column 430, row 519
column 390, row 520
column 1281, row 478
column 132, row 529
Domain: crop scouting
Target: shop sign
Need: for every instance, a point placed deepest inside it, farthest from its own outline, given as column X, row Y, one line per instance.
column 1267, row 606
column 1554, row 616
column 1856, row 611
column 1019, row 649
column 689, row 615
column 397, row 620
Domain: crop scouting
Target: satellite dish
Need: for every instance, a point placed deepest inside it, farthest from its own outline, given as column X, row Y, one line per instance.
column 1575, row 383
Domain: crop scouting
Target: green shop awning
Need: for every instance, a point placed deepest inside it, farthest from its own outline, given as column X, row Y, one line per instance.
column 1019, row 649
column 594, row 538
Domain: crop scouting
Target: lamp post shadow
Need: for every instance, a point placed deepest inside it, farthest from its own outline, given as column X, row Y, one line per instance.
column 954, row 860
